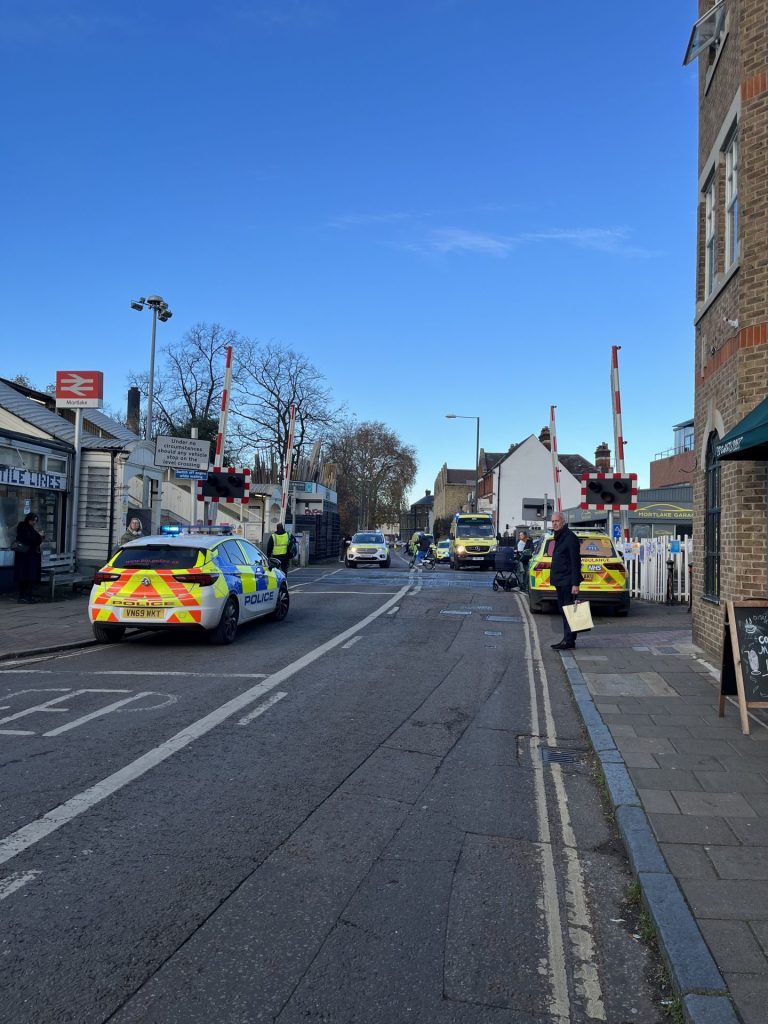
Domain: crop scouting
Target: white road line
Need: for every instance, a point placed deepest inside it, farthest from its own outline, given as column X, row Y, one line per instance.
column 59, row 655
column 394, row 611
column 344, row 593
column 16, row 881
column 96, row 714
column 580, row 927
column 354, row 640
column 16, row 732
column 33, row 832
column 315, row 579
column 559, row 1005
column 268, row 703
column 141, row 672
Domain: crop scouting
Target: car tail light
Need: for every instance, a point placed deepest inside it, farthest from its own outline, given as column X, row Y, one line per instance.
column 542, row 565
column 203, row 579
column 105, row 577
column 615, row 566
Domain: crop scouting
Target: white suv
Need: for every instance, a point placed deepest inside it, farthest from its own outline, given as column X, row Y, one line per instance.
column 369, row 548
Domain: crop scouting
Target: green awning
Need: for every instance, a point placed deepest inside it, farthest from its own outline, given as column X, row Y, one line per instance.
column 749, row 438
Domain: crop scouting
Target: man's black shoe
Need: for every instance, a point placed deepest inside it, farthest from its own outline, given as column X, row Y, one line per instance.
column 563, row 645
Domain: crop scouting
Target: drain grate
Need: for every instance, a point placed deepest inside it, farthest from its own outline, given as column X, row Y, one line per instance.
column 503, row 618
column 450, row 611
column 492, row 632
column 551, row 755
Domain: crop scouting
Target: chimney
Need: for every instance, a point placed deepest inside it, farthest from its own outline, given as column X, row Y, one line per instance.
column 134, row 410
column 603, row 458
column 545, row 438
column 427, row 494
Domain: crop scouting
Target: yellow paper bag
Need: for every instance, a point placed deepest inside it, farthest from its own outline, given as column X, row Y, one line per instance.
column 579, row 616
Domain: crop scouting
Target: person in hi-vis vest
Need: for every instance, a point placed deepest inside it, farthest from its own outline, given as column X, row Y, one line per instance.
column 278, row 545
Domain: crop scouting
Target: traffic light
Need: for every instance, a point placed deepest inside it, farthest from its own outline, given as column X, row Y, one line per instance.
column 609, row 491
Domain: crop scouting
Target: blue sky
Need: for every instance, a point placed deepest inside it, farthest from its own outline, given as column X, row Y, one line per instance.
column 447, row 205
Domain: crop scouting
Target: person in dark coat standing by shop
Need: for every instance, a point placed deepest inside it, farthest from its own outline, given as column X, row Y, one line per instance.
column 565, row 575
column 27, row 559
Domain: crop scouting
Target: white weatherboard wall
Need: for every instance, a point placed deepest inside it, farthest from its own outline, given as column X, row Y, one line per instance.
column 527, row 473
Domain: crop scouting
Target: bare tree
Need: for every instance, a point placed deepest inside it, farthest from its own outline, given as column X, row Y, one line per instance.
column 187, row 389
column 267, row 380
column 375, row 469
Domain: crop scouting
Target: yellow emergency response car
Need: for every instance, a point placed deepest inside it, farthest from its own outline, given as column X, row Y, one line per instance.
column 200, row 578
column 473, row 540
column 603, row 573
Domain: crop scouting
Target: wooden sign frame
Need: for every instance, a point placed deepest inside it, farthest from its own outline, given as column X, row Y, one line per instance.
column 731, row 675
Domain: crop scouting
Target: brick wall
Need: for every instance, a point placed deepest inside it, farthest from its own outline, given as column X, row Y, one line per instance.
column 732, row 360
column 675, row 469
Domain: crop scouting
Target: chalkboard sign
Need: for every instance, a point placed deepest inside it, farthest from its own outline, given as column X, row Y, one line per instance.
column 744, row 672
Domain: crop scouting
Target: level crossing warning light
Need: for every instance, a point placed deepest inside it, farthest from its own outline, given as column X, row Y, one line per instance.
column 609, row 492
column 227, row 485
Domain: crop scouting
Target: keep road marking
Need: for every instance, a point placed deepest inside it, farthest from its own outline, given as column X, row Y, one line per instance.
column 349, row 643
column 262, row 708
column 13, row 882
column 33, row 832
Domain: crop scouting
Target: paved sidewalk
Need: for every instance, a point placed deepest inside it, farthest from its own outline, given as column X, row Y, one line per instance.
column 50, row 625
column 691, row 801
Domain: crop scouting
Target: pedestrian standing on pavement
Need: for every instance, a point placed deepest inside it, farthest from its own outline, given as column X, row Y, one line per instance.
column 27, row 561
column 346, row 540
column 277, row 547
column 565, row 575
column 524, row 552
column 133, row 532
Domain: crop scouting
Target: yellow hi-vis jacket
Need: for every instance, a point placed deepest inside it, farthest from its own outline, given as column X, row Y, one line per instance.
column 280, row 542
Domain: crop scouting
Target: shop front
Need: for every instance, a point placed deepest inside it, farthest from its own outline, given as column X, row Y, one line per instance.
column 34, row 477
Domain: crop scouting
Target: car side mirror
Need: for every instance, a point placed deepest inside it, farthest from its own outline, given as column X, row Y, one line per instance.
column 274, row 563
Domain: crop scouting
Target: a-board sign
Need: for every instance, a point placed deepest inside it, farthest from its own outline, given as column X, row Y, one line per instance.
column 744, row 670
column 182, row 452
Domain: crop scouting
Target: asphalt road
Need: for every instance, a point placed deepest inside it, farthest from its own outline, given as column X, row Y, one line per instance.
column 380, row 810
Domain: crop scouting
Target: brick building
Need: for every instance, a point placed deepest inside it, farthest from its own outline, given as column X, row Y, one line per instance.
column 731, row 328
column 453, row 491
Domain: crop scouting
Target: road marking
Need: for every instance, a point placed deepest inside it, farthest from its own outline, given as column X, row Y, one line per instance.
column 349, row 643
column 96, row 714
column 131, row 672
column 394, row 611
column 34, row 831
column 315, row 579
column 47, row 706
column 16, row 881
column 262, row 707
column 580, row 927
column 344, row 593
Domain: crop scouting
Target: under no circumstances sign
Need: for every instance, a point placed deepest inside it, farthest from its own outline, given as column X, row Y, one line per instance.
column 182, row 452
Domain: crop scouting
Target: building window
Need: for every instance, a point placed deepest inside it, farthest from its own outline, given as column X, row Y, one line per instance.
column 712, row 521
column 732, row 202
column 710, row 238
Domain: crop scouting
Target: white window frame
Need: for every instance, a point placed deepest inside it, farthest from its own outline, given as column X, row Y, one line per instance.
column 710, row 237
column 732, row 202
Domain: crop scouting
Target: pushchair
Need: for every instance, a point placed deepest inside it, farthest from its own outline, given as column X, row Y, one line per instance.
column 510, row 572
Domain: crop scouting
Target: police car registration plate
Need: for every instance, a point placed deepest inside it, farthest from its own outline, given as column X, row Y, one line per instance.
column 143, row 613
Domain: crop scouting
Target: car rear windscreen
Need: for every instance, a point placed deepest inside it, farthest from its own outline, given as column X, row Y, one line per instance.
column 156, row 556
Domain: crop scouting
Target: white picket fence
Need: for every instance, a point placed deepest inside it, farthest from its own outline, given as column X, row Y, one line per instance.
column 649, row 572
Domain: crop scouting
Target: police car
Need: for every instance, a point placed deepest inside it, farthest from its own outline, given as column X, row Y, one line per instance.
column 603, row 573
column 188, row 579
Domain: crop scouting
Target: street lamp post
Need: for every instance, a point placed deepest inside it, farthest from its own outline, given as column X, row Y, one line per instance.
column 160, row 311
column 456, row 416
